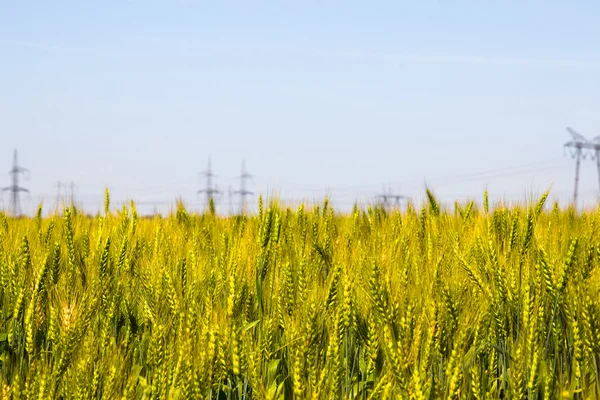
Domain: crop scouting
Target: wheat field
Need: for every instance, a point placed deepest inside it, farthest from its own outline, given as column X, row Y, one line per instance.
column 431, row 303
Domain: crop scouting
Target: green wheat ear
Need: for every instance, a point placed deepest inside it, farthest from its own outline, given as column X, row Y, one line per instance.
column 38, row 221
column 106, row 201
column 486, row 202
column 38, row 214
column 211, row 206
column 433, row 203
column 540, row 205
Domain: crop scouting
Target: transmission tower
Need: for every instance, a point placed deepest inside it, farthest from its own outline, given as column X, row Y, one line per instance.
column 230, row 197
column 209, row 191
column 579, row 147
column 69, row 192
column 72, row 193
column 58, row 186
column 387, row 196
column 243, row 192
column 596, row 146
column 15, row 188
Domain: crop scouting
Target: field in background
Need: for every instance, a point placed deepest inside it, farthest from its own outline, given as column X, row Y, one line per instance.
column 426, row 303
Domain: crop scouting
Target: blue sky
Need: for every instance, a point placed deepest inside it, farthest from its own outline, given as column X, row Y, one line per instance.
column 318, row 97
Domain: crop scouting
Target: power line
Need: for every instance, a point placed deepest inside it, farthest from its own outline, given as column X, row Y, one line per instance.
column 500, row 175
column 482, row 175
column 15, row 188
column 494, row 172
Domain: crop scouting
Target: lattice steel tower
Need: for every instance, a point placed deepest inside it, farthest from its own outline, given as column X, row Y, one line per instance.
column 15, row 189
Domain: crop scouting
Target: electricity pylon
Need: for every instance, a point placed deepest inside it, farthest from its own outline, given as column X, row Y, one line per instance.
column 243, row 192
column 69, row 192
column 15, row 189
column 580, row 147
column 596, row 146
column 385, row 196
column 209, row 191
